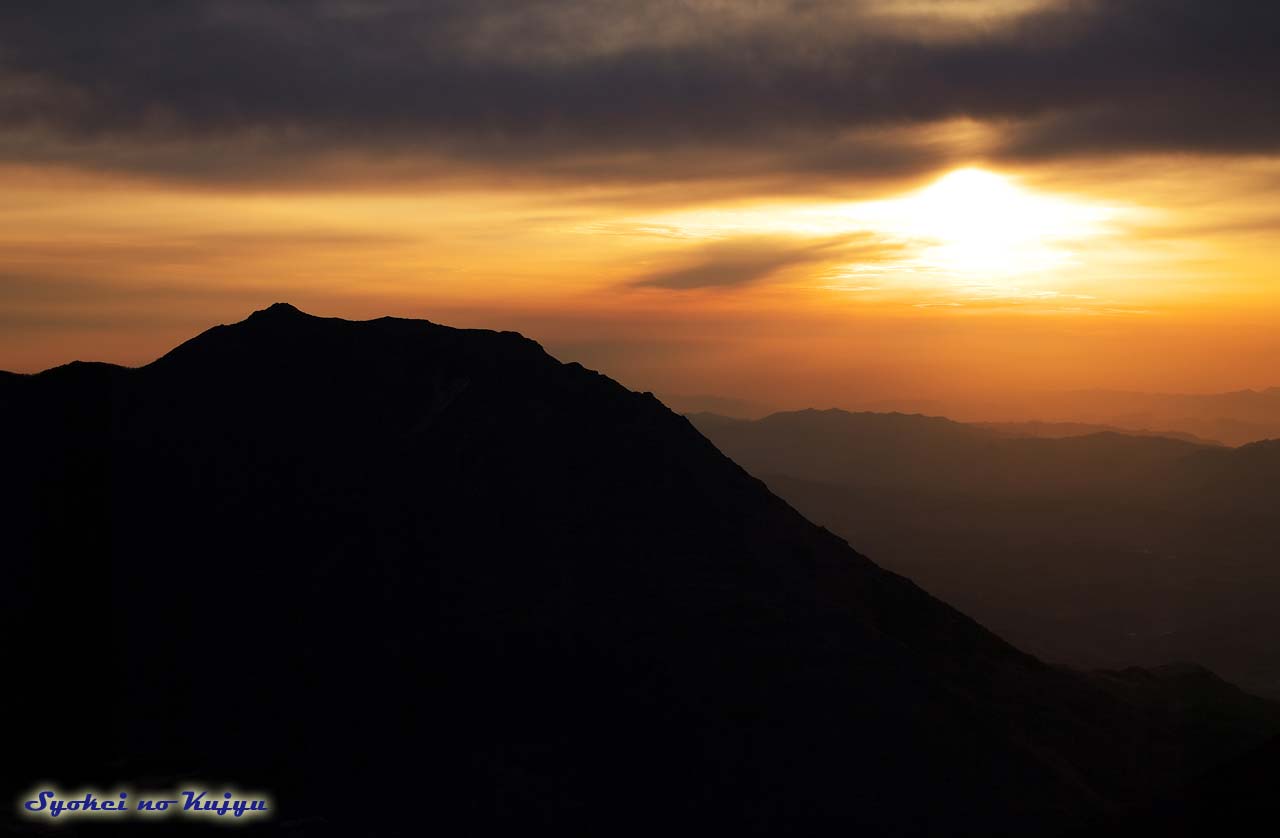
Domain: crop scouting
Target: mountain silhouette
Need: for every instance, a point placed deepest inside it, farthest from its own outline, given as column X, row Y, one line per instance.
column 410, row 577
column 1234, row 418
column 1103, row 550
column 900, row 450
column 1059, row 430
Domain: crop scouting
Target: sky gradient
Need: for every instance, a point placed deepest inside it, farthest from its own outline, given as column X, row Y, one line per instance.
column 797, row 203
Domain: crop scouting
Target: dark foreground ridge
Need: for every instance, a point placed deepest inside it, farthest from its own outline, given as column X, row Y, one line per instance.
column 408, row 577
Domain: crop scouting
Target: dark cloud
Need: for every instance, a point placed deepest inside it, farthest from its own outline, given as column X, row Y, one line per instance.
column 730, row 263
column 641, row 89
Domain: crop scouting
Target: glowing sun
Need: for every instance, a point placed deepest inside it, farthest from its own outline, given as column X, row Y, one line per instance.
column 974, row 222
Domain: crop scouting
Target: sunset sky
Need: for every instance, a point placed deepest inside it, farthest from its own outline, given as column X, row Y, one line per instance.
column 794, row 202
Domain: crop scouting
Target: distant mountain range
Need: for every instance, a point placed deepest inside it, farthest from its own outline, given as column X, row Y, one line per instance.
column 1097, row 550
column 416, row 579
column 1060, row 430
column 1234, row 418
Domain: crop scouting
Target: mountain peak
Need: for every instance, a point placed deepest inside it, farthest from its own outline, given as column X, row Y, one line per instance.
column 278, row 310
column 357, row 472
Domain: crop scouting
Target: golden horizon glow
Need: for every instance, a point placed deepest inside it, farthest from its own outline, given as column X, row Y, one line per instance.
column 972, row 233
column 1115, row 276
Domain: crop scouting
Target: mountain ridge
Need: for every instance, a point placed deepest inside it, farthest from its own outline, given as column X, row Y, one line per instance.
column 518, row 584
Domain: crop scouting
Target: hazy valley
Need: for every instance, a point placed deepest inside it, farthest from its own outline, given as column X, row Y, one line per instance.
column 1097, row 550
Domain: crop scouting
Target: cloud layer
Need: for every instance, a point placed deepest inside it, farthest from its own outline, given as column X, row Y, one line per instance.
column 644, row 90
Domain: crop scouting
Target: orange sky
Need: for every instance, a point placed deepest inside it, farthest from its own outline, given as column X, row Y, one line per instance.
column 686, row 265
column 1161, row 280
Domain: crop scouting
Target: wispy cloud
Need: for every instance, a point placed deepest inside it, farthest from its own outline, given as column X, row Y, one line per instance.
column 747, row 260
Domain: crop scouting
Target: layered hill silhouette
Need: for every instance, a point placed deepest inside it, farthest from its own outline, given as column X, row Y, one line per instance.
column 409, row 577
column 1236, row 418
column 1098, row 550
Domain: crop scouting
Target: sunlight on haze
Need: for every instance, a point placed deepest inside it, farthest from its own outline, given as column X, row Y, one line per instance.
column 977, row 223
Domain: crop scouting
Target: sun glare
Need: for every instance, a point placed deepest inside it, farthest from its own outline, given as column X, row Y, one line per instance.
column 971, row 234
column 977, row 223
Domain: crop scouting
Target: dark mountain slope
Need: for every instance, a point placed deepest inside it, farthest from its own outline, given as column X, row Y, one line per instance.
column 1232, row 799
column 408, row 576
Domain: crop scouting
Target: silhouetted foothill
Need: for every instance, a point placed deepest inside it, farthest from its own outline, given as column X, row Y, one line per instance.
column 405, row 576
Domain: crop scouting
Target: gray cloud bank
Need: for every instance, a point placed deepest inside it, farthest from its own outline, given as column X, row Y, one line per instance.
column 644, row 90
